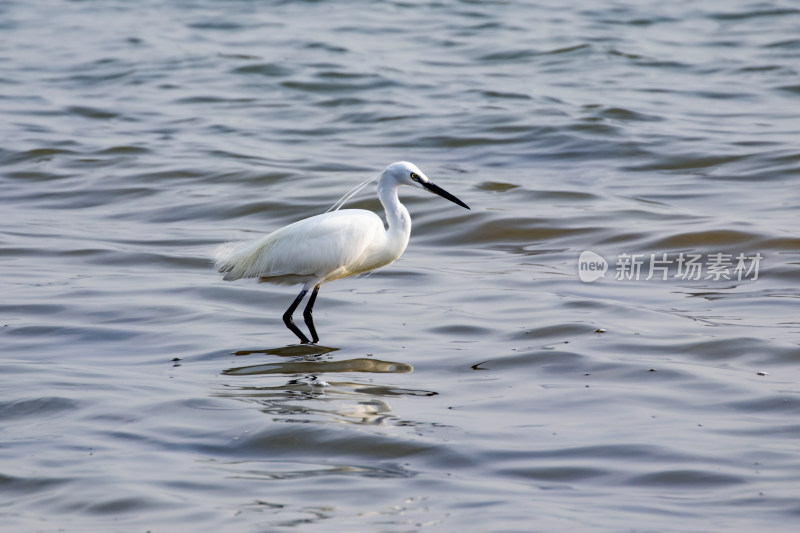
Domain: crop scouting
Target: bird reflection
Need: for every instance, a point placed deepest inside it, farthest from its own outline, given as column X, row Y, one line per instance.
column 312, row 389
column 292, row 350
column 306, row 366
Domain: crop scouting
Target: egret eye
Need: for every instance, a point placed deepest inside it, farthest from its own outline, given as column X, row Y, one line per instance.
column 415, row 176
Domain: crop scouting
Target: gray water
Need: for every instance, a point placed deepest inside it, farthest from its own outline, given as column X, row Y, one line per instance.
column 477, row 384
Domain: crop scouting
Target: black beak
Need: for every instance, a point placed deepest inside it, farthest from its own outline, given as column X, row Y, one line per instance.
column 443, row 193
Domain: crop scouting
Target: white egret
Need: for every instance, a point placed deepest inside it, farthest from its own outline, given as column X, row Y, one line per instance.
column 330, row 246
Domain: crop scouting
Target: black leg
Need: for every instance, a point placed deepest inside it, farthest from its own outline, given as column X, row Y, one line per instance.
column 289, row 321
column 307, row 315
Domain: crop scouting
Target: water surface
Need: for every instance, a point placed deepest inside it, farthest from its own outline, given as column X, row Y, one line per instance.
column 477, row 383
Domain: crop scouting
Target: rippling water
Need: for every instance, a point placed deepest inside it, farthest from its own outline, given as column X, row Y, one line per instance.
column 478, row 384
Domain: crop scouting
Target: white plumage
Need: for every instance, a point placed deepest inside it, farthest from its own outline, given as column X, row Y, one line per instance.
column 309, row 250
column 330, row 246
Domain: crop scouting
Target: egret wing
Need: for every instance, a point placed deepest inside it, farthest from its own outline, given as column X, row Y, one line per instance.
column 324, row 247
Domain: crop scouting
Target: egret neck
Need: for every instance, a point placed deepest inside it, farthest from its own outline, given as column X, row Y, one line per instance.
column 397, row 217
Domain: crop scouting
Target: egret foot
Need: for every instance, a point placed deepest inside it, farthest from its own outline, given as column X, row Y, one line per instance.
column 307, row 315
column 289, row 321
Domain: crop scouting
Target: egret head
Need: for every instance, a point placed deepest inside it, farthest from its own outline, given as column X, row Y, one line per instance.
column 406, row 173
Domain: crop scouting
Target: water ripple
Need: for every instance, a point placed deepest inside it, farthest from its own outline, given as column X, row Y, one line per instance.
column 475, row 381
